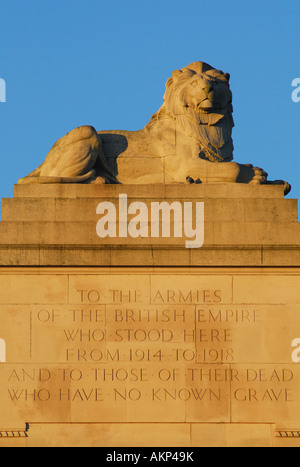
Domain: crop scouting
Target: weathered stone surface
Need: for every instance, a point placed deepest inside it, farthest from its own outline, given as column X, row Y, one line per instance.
column 55, row 225
column 84, row 209
column 101, row 351
column 209, row 191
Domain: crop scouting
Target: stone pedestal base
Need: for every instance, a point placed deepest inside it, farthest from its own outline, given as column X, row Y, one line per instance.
column 142, row 342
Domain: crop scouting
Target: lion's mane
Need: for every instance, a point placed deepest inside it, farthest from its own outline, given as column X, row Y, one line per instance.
column 211, row 129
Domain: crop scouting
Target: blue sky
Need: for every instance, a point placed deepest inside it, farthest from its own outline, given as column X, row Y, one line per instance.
column 105, row 63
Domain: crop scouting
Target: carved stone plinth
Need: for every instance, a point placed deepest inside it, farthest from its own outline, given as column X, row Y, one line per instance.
column 123, row 341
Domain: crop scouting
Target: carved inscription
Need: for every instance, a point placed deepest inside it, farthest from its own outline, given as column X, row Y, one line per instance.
column 159, row 392
column 174, row 353
column 132, row 333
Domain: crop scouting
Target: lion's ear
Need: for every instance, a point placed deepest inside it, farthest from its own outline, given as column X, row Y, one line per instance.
column 176, row 74
column 227, row 76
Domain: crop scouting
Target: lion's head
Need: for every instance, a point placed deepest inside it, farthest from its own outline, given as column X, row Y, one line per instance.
column 198, row 97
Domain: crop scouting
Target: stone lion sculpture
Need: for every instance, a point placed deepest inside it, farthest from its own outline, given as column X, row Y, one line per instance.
column 187, row 141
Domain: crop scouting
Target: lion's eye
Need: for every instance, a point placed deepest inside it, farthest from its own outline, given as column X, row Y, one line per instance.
column 195, row 83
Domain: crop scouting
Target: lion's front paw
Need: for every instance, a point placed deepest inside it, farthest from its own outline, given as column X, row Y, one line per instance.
column 287, row 187
column 250, row 174
column 259, row 176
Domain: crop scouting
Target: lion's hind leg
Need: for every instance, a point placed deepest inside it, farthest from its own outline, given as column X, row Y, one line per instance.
column 72, row 159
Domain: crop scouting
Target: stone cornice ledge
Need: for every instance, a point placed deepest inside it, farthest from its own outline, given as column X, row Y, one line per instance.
column 147, row 255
